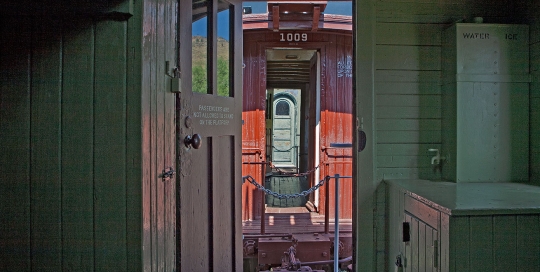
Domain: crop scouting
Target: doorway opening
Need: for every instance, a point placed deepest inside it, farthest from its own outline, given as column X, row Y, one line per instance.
column 297, row 131
column 288, row 92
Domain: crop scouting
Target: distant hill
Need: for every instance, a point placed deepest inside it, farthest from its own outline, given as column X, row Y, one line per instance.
column 199, row 48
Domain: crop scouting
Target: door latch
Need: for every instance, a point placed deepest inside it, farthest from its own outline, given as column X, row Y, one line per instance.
column 167, row 174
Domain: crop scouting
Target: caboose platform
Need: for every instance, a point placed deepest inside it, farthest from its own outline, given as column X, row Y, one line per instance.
column 293, row 220
column 296, row 227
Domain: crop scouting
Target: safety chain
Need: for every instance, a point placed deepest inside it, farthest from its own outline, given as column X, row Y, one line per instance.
column 276, row 149
column 251, row 180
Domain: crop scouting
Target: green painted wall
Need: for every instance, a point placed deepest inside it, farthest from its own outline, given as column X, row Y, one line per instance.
column 408, row 79
column 82, row 132
column 63, row 201
column 534, row 28
column 403, row 86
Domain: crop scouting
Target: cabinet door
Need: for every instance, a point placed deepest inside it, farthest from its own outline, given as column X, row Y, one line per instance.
column 421, row 252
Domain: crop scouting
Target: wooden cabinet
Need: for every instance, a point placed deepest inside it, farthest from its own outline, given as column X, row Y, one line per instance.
column 422, row 225
column 464, row 227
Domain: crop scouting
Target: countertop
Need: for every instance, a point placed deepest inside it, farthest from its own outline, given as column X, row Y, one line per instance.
column 473, row 198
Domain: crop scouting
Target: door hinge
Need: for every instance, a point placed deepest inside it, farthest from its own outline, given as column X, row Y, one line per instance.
column 167, row 174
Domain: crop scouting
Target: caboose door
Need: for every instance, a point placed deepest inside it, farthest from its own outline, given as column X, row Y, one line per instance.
column 209, row 113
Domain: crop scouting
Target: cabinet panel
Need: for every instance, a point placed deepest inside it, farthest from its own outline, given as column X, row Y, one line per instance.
column 423, row 212
column 481, row 240
column 422, row 251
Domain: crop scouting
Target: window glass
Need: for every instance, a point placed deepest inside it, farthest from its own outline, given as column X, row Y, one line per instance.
column 282, row 108
column 199, row 52
column 223, row 49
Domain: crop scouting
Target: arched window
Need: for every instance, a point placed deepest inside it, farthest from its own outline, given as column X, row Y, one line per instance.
column 282, row 108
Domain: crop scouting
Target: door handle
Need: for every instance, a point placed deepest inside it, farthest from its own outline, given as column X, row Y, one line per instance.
column 195, row 141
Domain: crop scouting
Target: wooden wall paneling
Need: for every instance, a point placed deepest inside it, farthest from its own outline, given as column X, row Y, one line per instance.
column 253, row 136
column 77, row 147
column 407, row 76
column 382, row 233
column 408, row 100
column 534, row 60
column 415, row 245
column 169, row 23
column 154, row 134
column 146, row 125
column 481, row 239
column 409, row 124
column 135, row 147
column 533, row 11
column 222, row 195
column 110, row 224
column 406, row 173
column 343, row 133
column 459, row 235
column 422, row 252
column 404, row 161
column 444, row 244
column 394, row 208
column 408, row 34
column 429, row 136
column 402, row 216
column 387, row 112
column 236, row 189
column 197, row 207
column 329, row 96
column 408, row 88
column 534, row 118
column 336, row 118
column 528, row 242
column 46, row 191
column 404, row 149
column 407, row 57
column 408, row 246
column 534, row 141
column 441, row 12
column 504, row 242
column 15, row 107
column 161, row 96
column 430, row 238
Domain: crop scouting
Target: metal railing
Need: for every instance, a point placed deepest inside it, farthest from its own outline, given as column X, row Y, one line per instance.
column 326, row 183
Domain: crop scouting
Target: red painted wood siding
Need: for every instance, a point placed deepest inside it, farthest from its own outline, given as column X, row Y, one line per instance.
column 336, row 112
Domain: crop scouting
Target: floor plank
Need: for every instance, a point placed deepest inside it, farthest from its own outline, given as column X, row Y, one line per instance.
column 293, row 220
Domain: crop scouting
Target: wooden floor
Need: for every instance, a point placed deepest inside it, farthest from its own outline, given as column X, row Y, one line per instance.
column 293, row 220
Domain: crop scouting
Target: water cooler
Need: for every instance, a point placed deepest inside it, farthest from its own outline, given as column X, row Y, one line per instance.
column 485, row 103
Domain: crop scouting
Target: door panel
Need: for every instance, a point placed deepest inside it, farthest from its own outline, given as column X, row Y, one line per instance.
column 284, row 134
column 209, row 178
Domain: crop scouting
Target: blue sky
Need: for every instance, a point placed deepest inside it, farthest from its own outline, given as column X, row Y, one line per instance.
column 199, row 27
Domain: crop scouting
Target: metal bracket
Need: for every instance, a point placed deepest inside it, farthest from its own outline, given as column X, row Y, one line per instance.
column 167, row 174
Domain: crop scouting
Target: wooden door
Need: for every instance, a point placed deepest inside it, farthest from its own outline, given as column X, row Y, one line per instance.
column 209, row 110
column 284, row 154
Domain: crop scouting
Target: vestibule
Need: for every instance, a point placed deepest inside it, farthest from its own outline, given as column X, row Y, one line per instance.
column 87, row 118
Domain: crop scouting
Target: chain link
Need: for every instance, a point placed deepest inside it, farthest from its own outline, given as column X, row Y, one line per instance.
column 276, row 149
column 252, row 180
